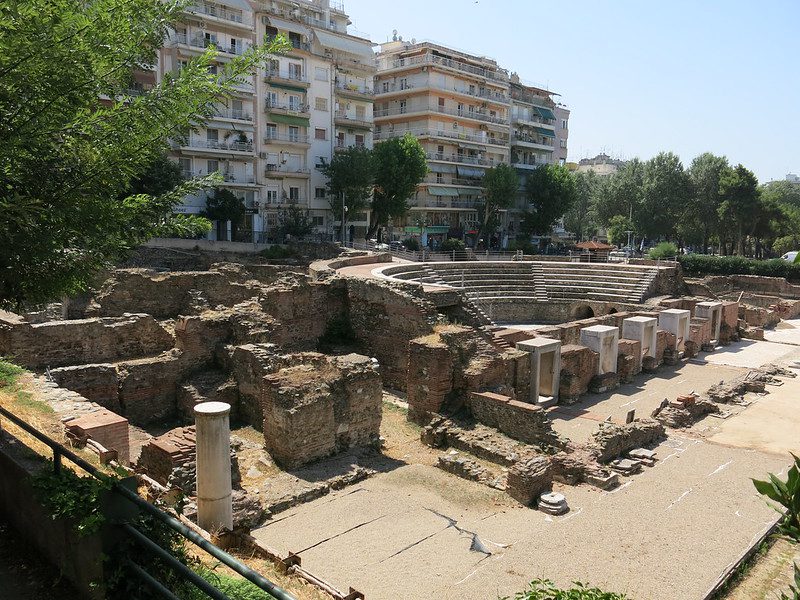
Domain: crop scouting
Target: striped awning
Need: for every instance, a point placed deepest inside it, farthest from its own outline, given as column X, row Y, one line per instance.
column 545, row 132
column 435, row 190
column 284, row 25
column 440, row 168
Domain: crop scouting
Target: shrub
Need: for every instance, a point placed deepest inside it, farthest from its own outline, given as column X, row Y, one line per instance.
column 278, row 252
column 702, row 264
column 544, row 589
column 9, row 373
column 663, row 250
column 411, row 244
column 522, row 244
column 451, row 244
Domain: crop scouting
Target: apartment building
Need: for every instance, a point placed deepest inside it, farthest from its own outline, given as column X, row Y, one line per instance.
column 286, row 120
column 457, row 104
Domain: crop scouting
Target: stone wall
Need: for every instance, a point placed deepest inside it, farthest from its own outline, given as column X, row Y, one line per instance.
column 729, row 323
column 527, row 480
column 385, row 318
column 629, row 359
column 430, row 377
column 578, row 366
column 519, row 420
column 613, row 440
column 324, row 406
column 147, row 388
column 98, row 340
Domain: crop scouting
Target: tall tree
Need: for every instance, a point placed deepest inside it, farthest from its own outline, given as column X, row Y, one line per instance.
column 620, row 193
column 740, row 207
column 500, row 186
column 66, row 157
column 223, row 206
column 701, row 213
column 581, row 217
column 551, row 192
column 665, row 193
column 350, row 174
column 160, row 176
column 400, row 166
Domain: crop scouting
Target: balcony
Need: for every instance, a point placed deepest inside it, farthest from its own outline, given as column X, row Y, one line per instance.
column 288, row 77
column 223, row 13
column 460, row 158
column 283, row 138
column 352, row 90
column 234, row 115
column 294, row 43
column 448, row 63
column 202, row 43
column 279, row 171
column 345, row 120
column 216, row 146
column 230, row 178
column 532, row 142
column 278, row 202
column 477, row 115
column 286, row 108
column 307, row 19
column 441, row 133
column 340, row 145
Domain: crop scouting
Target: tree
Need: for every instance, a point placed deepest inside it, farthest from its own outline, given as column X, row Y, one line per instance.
column 701, row 211
column 618, row 228
column 740, row 207
column 294, row 222
column 580, row 219
column 400, row 166
column 350, row 174
column 552, row 192
column 188, row 227
column 224, row 206
column 620, row 193
column 665, row 193
column 161, row 176
column 500, row 185
column 67, row 157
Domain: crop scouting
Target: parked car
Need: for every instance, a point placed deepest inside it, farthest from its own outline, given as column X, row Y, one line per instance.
column 790, row 256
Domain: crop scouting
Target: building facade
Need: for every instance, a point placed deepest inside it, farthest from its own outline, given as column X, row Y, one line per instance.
column 457, row 105
column 282, row 124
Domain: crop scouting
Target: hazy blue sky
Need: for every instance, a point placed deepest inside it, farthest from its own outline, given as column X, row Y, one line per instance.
column 640, row 76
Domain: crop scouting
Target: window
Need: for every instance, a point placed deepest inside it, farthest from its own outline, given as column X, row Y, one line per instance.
column 294, row 133
column 441, row 104
column 402, row 107
column 212, row 69
column 273, row 66
column 472, row 90
column 321, row 74
column 563, row 123
column 439, row 178
column 319, row 193
column 385, row 86
column 186, row 166
column 361, row 113
column 271, row 132
column 340, row 139
column 294, row 194
column 460, row 108
column 404, row 84
column 359, row 140
column 321, row 103
column 563, row 143
column 233, row 45
column 212, row 135
column 318, row 221
column 295, row 71
column 294, row 102
column 271, row 32
column 320, row 134
column 212, row 166
column 272, row 99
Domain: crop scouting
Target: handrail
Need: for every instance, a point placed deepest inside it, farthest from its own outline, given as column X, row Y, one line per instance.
column 171, row 522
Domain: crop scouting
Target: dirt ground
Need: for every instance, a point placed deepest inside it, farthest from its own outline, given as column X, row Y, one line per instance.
column 668, row 532
column 769, row 575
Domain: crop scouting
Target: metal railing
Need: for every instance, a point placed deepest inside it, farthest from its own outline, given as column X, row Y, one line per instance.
column 441, row 133
column 362, row 121
column 356, row 89
column 217, row 145
column 427, row 107
column 288, row 75
column 430, row 255
column 145, row 543
column 202, row 42
column 460, row 158
column 239, row 115
column 430, row 59
column 283, row 137
column 216, row 10
column 287, row 106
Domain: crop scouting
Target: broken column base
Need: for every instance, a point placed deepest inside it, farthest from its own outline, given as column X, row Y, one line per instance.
column 753, row 333
column 690, row 349
column 671, row 357
column 604, row 383
column 625, row 466
column 603, row 481
column 553, row 503
column 649, row 364
column 709, row 346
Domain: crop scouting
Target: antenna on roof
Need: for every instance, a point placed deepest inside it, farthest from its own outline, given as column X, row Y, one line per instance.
column 394, row 35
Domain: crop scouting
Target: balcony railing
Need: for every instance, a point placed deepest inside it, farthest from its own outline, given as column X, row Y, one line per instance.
column 308, row 20
column 354, row 88
column 340, row 145
column 460, row 158
column 462, row 181
column 218, row 145
column 271, row 138
column 289, row 75
column 227, row 177
column 202, row 42
column 441, row 133
column 430, row 59
column 532, row 140
column 294, row 43
column 282, row 201
column 277, row 169
column 221, row 12
column 351, row 120
column 238, row 115
column 287, row 106
column 467, row 114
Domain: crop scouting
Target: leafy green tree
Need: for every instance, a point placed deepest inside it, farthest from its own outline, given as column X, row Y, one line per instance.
column 620, row 193
column 581, row 218
column 400, row 166
column 618, row 228
column 350, row 174
column 294, row 222
column 665, row 192
column 188, row 227
column 740, row 208
column 224, row 206
column 784, row 193
column 701, row 213
column 500, row 186
column 551, row 190
column 66, row 158
column 161, row 176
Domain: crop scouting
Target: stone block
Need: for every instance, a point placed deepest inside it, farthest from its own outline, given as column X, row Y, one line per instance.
column 527, row 480
column 545, row 368
column 578, row 365
column 105, row 427
column 519, row 420
column 676, row 322
column 643, row 330
column 603, row 340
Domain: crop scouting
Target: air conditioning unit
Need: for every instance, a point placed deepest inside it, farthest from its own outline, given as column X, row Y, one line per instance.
column 272, row 167
column 262, row 155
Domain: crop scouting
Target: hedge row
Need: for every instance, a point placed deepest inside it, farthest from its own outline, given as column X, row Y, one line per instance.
column 703, row 264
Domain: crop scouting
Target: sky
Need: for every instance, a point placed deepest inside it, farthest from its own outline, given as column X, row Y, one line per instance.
column 639, row 76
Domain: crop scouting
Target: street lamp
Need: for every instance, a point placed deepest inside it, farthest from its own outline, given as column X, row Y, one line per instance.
column 344, row 218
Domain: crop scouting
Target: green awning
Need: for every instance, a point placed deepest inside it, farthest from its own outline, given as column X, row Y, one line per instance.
column 545, row 132
column 286, row 86
column 435, row 190
column 413, row 230
column 470, row 172
column 437, row 228
column 545, row 113
column 288, row 119
column 440, row 168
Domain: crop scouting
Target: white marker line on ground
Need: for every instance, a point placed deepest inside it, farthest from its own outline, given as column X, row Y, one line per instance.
column 682, row 496
column 720, row 468
column 572, row 514
column 619, row 489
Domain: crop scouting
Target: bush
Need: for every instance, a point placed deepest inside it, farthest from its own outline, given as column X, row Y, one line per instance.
column 411, row 244
column 9, row 373
column 702, row 264
column 451, row 244
column 663, row 250
column 544, row 589
column 278, row 252
column 785, row 244
column 524, row 245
